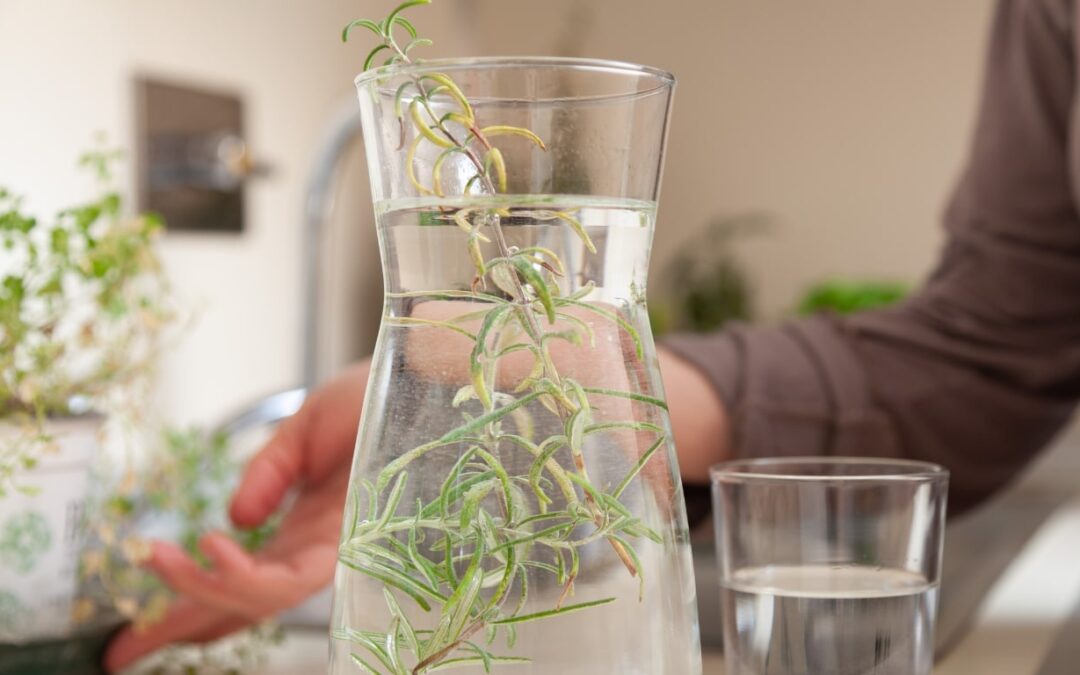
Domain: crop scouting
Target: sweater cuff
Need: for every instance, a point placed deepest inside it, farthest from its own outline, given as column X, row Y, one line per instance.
column 790, row 390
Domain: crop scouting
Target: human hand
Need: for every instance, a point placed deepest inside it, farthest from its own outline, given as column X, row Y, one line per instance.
column 311, row 451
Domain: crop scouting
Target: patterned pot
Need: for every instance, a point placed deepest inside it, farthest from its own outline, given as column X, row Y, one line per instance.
column 42, row 534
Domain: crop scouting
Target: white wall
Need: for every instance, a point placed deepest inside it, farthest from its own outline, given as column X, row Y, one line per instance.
column 847, row 120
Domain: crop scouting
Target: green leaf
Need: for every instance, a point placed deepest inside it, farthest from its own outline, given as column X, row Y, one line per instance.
column 523, row 596
column 16, row 289
column 542, row 252
column 575, row 428
column 436, row 169
column 577, row 227
column 559, row 529
column 430, row 323
column 567, row 609
column 372, row 54
column 502, row 275
column 582, row 292
column 389, row 576
column 451, row 87
column 494, row 319
column 426, row 567
column 399, row 96
column 453, row 436
column 638, row 466
column 503, row 477
column 425, row 130
column 494, row 160
column 451, row 489
column 537, row 283
column 470, row 505
column 502, row 130
column 392, row 645
column 392, row 18
column 611, row 316
column 364, row 23
column 477, row 178
column 364, row 665
column 365, row 640
column 392, row 501
column 451, row 664
column 633, row 426
column 419, row 42
column 537, row 467
column 509, row 572
column 58, row 241
column 641, row 398
column 409, row 28
column 585, row 485
column 466, row 393
column 479, row 296
column 457, row 609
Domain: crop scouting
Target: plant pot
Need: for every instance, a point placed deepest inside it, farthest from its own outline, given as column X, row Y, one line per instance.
column 79, row 653
column 42, row 534
column 514, row 496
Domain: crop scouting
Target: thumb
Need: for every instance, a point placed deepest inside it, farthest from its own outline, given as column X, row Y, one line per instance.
column 268, row 477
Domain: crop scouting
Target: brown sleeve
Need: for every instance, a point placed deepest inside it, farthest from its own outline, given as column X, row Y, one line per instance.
column 981, row 367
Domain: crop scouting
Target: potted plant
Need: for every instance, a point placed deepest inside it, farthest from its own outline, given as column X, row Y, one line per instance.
column 83, row 302
column 850, row 296
column 705, row 284
column 514, row 498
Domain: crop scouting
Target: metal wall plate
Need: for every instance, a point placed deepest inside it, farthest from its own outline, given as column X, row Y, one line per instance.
column 192, row 161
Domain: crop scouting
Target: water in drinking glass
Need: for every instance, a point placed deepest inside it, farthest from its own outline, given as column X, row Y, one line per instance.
column 828, row 620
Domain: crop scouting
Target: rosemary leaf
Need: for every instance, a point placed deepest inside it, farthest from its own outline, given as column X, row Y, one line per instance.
column 638, row 466
column 566, row 609
column 364, row 23
column 364, row 665
column 474, row 660
column 641, row 398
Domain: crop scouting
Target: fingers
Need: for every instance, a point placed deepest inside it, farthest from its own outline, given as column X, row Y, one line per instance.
column 185, row 622
column 269, row 475
column 187, row 578
column 226, row 588
column 239, row 584
column 227, row 557
column 236, row 591
column 699, row 418
column 312, row 445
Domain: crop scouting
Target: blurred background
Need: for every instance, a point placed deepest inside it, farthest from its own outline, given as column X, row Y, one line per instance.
column 841, row 126
column 812, row 150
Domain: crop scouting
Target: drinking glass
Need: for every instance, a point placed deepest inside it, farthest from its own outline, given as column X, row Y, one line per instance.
column 829, row 566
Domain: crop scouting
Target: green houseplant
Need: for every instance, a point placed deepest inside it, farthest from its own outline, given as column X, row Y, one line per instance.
column 706, row 285
column 850, row 296
column 83, row 303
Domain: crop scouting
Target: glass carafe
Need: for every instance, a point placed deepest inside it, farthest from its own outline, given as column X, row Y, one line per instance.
column 515, row 502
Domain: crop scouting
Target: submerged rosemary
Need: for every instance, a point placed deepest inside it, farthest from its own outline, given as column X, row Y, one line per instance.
column 468, row 553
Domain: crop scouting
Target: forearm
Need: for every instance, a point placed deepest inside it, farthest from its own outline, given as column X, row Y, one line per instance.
column 698, row 417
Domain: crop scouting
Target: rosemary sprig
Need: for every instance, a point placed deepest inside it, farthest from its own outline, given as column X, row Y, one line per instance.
column 468, row 553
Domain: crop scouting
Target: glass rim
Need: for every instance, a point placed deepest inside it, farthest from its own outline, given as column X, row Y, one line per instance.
column 903, row 470
column 664, row 80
